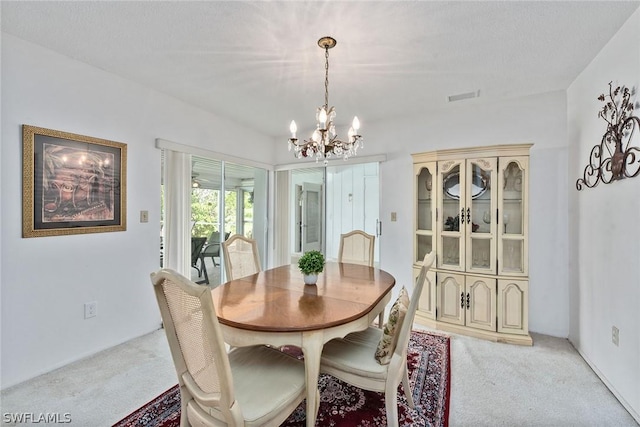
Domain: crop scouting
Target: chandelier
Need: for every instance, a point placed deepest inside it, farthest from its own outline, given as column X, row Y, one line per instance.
column 324, row 142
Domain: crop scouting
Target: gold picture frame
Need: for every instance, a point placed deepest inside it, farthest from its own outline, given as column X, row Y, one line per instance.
column 72, row 184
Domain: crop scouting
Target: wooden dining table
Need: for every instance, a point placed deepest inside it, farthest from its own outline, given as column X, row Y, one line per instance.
column 276, row 308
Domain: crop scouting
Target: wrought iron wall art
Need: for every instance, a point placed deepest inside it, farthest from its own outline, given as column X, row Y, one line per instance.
column 615, row 158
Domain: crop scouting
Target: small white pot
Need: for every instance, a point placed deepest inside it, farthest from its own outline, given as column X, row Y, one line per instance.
column 310, row 279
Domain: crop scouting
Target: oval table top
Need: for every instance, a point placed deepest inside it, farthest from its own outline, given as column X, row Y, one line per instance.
column 278, row 300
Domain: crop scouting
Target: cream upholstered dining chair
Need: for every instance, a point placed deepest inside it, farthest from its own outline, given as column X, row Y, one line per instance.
column 240, row 257
column 247, row 386
column 374, row 359
column 356, row 247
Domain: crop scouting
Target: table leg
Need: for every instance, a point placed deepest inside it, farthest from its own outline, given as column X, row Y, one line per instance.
column 312, row 349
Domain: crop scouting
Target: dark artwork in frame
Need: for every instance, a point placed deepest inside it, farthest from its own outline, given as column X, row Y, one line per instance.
column 72, row 184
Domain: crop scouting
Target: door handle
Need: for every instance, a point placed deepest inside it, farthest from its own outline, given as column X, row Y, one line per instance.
column 378, row 228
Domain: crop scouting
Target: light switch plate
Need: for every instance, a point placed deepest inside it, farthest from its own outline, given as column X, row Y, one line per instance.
column 394, row 216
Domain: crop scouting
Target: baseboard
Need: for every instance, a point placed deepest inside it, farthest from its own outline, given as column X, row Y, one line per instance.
column 610, row 386
column 472, row 332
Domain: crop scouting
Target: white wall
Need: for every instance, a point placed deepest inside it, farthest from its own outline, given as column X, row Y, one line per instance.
column 540, row 120
column 605, row 236
column 45, row 281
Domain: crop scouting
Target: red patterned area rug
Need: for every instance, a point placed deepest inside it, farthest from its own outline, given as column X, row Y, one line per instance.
column 347, row 406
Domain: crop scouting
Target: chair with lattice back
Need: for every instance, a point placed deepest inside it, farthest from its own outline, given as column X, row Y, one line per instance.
column 241, row 257
column 247, row 386
column 376, row 359
column 356, row 247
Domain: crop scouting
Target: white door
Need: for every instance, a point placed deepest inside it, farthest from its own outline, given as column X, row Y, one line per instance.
column 311, row 217
column 353, row 197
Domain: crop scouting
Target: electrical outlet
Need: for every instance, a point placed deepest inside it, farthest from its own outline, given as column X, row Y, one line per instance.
column 615, row 335
column 90, row 309
column 144, row 216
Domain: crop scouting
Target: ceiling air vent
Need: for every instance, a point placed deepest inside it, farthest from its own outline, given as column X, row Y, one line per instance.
column 461, row 96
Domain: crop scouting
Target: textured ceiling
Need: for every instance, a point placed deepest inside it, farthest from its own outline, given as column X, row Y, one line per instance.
column 258, row 62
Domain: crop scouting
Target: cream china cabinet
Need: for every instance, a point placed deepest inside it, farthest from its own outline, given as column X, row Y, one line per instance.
column 471, row 207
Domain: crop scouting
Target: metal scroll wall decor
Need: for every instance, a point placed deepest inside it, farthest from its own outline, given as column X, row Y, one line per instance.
column 615, row 158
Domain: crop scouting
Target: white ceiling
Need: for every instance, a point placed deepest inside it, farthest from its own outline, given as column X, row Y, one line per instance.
column 258, row 63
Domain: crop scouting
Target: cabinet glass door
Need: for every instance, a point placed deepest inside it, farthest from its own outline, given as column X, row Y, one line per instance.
column 512, row 220
column 451, row 179
column 425, row 210
column 480, row 215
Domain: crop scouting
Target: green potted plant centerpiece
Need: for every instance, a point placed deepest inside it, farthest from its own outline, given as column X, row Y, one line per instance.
column 310, row 264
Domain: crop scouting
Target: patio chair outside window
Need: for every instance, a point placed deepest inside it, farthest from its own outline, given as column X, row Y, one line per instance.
column 212, row 248
column 197, row 243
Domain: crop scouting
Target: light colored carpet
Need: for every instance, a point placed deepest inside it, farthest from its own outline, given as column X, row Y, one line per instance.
column 491, row 385
column 548, row 384
column 101, row 389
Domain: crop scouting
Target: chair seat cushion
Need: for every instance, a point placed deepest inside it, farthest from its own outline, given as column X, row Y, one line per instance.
column 355, row 354
column 278, row 382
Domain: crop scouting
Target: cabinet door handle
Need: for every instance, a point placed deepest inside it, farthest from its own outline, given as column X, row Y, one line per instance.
column 468, row 304
column 468, row 216
column 462, row 300
column 462, row 215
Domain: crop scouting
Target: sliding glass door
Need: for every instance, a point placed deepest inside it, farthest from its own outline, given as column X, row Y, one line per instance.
column 327, row 202
column 226, row 199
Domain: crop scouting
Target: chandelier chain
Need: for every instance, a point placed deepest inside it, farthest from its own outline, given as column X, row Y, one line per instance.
column 326, row 78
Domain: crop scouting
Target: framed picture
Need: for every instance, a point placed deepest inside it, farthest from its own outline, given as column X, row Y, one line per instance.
column 72, row 184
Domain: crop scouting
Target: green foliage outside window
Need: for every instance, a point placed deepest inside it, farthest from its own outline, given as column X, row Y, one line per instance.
column 205, row 212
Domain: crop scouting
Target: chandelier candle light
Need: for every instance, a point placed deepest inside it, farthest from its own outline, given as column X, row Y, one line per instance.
column 324, row 142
